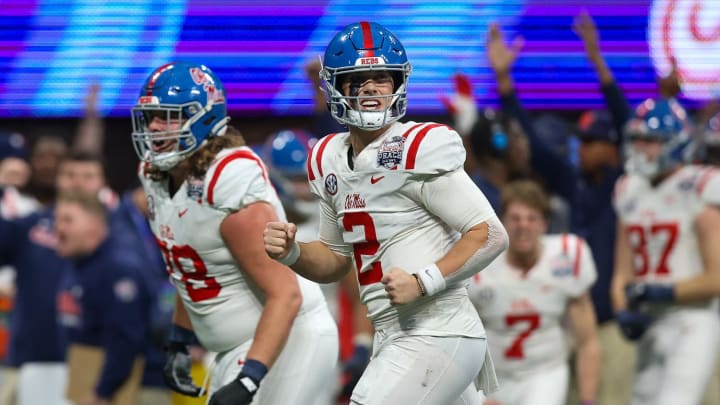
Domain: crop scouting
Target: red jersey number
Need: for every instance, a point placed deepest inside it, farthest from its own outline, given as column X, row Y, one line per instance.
column 639, row 237
column 186, row 261
column 368, row 248
column 515, row 351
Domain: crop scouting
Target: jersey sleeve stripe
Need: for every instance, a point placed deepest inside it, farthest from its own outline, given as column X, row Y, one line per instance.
column 412, row 128
column 415, row 145
column 241, row 154
column 704, row 179
column 311, row 173
column 578, row 255
column 318, row 156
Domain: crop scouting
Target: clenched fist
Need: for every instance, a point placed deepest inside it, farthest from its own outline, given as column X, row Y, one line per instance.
column 402, row 286
column 279, row 238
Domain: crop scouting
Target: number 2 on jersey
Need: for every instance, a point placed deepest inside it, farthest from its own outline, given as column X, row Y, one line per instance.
column 193, row 278
column 367, row 248
column 515, row 351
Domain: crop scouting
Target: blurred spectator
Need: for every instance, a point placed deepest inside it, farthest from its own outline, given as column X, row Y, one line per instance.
column 14, row 168
column 666, row 280
column 104, row 300
column 490, row 145
column 85, row 172
column 324, row 123
column 708, row 141
column 90, row 135
column 525, row 298
column 129, row 222
column 46, row 154
column 28, row 244
column 498, row 150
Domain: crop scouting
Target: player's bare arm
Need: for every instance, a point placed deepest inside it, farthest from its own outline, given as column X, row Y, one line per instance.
column 707, row 284
column 180, row 316
column 283, row 298
column 464, row 249
column 589, row 354
column 314, row 260
column 623, row 269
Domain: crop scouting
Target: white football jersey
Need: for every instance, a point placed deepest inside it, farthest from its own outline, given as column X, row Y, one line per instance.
column 660, row 221
column 524, row 313
column 223, row 304
column 383, row 223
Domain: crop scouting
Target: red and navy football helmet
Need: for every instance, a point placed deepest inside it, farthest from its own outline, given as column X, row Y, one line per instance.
column 362, row 47
column 178, row 92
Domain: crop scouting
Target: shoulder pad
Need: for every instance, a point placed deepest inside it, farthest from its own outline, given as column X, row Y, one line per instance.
column 708, row 185
column 626, row 187
column 237, row 179
column 316, row 163
column 432, row 149
column 583, row 266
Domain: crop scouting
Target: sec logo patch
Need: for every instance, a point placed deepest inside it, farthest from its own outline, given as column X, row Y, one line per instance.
column 331, row 184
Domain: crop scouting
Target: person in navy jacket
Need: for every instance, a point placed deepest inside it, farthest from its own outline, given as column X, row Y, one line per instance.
column 103, row 299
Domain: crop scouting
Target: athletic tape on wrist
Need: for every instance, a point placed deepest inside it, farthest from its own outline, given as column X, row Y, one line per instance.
column 292, row 255
column 432, row 279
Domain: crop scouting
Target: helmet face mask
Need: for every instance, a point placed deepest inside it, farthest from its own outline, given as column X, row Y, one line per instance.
column 181, row 105
column 361, row 49
column 657, row 138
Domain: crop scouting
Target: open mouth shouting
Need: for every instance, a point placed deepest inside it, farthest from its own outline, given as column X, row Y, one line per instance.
column 163, row 145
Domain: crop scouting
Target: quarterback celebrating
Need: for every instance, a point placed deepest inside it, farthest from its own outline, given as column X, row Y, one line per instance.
column 398, row 208
column 209, row 199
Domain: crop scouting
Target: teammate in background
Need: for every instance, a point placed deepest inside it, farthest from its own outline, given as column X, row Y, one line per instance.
column 209, row 198
column 667, row 272
column 286, row 153
column 525, row 298
column 383, row 189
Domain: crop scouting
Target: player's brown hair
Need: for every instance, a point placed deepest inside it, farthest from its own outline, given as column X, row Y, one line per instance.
column 201, row 160
column 525, row 192
column 89, row 203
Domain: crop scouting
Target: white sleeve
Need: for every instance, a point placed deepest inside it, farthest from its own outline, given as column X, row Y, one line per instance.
column 710, row 189
column 456, row 200
column 583, row 268
column 237, row 184
column 330, row 233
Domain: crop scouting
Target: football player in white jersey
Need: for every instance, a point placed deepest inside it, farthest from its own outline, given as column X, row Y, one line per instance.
column 209, row 198
column 667, row 270
column 528, row 295
column 285, row 153
column 397, row 208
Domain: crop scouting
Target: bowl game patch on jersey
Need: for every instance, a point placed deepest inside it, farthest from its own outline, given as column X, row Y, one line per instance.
column 390, row 152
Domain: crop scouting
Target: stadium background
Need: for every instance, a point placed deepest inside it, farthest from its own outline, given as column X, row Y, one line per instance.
column 52, row 50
